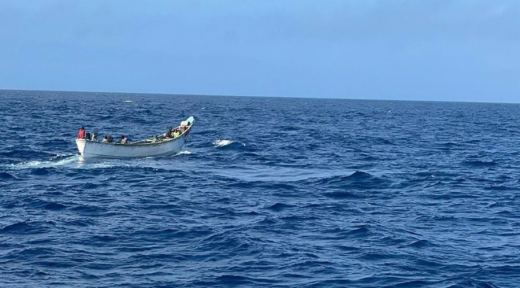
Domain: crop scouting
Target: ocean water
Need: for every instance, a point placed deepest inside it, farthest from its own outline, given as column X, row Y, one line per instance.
column 268, row 192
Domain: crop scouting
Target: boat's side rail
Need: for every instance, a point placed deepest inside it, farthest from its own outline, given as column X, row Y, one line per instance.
column 149, row 140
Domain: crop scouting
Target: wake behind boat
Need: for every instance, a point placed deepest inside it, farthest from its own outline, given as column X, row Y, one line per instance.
column 155, row 146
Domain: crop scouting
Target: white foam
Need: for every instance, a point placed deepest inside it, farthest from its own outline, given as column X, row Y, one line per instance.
column 45, row 164
column 222, row 143
column 186, row 152
column 129, row 101
column 99, row 165
column 225, row 142
column 62, row 155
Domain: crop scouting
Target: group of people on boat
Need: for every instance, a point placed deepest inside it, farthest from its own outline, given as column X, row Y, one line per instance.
column 169, row 134
column 172, row 133
column 110, row 139
column 94, row 137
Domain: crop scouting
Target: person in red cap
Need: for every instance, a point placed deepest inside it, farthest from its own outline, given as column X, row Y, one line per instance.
column 81, row 133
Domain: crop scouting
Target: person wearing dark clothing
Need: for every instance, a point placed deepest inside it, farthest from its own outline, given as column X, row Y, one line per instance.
column 168, row 133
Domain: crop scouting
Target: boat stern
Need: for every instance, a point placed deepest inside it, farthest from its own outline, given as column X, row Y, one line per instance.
column 81, row 143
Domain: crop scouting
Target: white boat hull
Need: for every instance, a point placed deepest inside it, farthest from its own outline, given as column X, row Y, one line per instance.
column 93, row 149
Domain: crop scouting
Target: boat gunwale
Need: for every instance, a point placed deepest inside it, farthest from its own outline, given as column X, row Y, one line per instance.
column 137, row 144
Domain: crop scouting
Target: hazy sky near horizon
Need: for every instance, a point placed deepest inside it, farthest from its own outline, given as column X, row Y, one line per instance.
column 453, row 50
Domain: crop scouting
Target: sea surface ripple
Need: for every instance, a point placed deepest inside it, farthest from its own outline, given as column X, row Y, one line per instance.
column 268, row 192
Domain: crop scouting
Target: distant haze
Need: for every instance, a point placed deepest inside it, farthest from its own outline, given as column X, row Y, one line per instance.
column 451, row 50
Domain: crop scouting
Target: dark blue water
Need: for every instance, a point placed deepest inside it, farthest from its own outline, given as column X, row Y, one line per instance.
column 267, row 192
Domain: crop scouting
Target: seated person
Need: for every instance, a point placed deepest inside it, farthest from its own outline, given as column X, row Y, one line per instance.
column 121, row 140
column 168, row 133
column 105, row 139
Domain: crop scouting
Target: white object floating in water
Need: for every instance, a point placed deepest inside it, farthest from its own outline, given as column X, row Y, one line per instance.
column 222, row 143
column 225, row 142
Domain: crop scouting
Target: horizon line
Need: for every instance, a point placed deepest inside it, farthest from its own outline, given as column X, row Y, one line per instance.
column 262, row 96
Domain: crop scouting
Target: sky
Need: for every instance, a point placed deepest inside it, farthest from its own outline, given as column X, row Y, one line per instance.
column 446, row 50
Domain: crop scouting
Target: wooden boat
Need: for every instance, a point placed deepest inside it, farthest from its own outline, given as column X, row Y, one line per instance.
column 145, row 148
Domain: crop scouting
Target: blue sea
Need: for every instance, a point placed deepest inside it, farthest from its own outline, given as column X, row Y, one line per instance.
column 267, row 192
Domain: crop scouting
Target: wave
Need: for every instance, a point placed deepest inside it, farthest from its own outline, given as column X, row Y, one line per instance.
column 82, row 222
column 89, row 185
column 47, row 205
column 89, row 210
column 41, row 171
column 222, row 143
column 419, row 244
column 450, row 146
column 7, row 176
column 358, row 179
column 43, row 167
column 26, row 227
column 345, row 195
column 277, row 207
column 342, row 233
column 25, row 154
column 233, row 280
column 500, row 188
column 46, row 163
column 470, row 283
column 225, row 142
column 480, row 163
